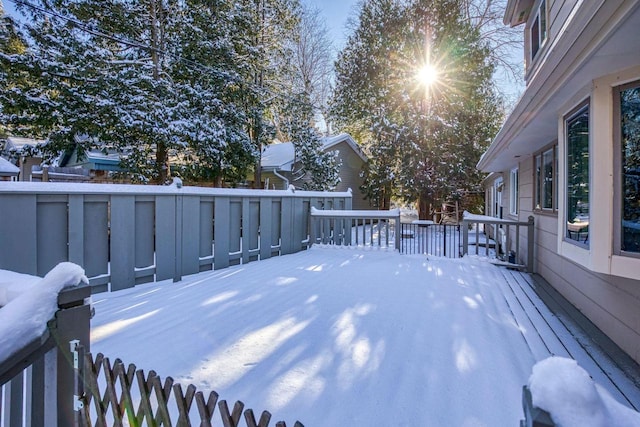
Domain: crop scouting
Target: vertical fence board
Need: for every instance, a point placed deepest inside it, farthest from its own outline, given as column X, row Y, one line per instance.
column 95, row 237
column 206, row 234
column 122, row 242
column 253, row 227
column 14, row 392
column 266, row 222
column 76, row 229
column 52, row 232
column 286, row 226
column 221, row 233
column 235, row 230
column 190, row 234
column 18, row 224
column 144, row 238
column 165, row 237
column 35, row 415
column 276, row 226
column 246, row 232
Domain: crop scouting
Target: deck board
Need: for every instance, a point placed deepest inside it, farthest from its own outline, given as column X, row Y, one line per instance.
column 568, row 333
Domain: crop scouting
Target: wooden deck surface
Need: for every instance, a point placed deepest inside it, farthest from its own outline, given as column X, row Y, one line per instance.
column 552, row 326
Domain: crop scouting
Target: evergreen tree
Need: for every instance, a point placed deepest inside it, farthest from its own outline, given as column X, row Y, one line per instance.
column 266, row 39
column 316, row 169
column 423, row 142
column 11, row 44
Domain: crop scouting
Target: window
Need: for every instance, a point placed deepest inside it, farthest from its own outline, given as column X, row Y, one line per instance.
column 545, row 180
column 539, row 29
column 577, row 167
column 496, row 209
column 629, row 161
column 513, row 192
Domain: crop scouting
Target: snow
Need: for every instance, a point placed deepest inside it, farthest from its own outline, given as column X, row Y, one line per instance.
column 392, row 213
column 332, row 337
column 565, row 390
column 279, row 156
column 480, row 218
column 90, row 188
column 7, row 167
column 27, row 303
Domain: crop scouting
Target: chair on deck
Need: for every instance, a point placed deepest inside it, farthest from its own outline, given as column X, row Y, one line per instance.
column 449, row 213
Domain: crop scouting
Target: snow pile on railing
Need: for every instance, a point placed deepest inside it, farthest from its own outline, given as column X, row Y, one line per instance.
column 27, row 303
column 567, row 392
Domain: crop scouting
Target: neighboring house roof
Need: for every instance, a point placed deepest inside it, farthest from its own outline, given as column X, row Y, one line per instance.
column 278, row 156
column 102, row 161
column 18, row 143
column 281, row 156
column 7, row 168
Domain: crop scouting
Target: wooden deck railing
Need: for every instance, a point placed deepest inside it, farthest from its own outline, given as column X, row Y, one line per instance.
column 356, row 227
column 42, row 371
column 481, row 234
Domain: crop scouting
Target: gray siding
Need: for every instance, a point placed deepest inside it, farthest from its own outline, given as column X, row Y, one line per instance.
column 350, row 175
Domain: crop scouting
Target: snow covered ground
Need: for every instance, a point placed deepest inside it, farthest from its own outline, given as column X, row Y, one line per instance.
column 332, row 337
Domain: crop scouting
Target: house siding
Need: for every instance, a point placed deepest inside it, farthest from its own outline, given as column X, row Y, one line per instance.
column 350, row 175
column 591, row 49
column 610, row 302
column 558, row 11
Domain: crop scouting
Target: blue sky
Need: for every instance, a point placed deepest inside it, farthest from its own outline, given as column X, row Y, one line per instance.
column 336, row 13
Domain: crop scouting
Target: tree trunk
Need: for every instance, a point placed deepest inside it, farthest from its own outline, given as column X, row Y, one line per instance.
column 162, row 157
column 425, row 207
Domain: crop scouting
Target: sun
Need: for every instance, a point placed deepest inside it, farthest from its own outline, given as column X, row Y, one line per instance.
column 427, row 75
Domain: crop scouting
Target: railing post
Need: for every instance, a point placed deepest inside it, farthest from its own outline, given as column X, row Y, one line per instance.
column 444, row 240
column 72, row 322
column 534, row 416
column 312, row 232
column 530, row 244
column 465, row 237
column 77, row 352
column 398, row 231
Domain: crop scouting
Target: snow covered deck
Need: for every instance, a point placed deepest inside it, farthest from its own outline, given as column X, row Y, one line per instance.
column 353, row 337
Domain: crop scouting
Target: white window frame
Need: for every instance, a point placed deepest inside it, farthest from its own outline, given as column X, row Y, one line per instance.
column 542, row 26
column 513, row 191
column 498, row 186
column 603, row 257
column 618, row 181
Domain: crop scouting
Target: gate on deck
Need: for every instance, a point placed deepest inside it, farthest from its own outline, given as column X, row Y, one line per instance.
column 428, row 238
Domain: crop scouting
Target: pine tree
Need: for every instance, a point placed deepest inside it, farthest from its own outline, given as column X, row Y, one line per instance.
column 423, row 142
column 11, row 44
column 314, row 168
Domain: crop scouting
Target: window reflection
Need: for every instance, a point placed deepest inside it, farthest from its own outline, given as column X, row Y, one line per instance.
column 577, row 128
column 630, row 127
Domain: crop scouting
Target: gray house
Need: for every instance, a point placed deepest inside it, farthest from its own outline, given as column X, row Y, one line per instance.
column 278, row 163
column 569, row 155
column 16, row 146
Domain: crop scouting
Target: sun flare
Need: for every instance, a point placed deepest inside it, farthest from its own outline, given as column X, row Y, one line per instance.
column 427, row 75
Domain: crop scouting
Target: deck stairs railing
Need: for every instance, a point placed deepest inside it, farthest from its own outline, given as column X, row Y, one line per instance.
column 38, row 380
column 508, row 243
